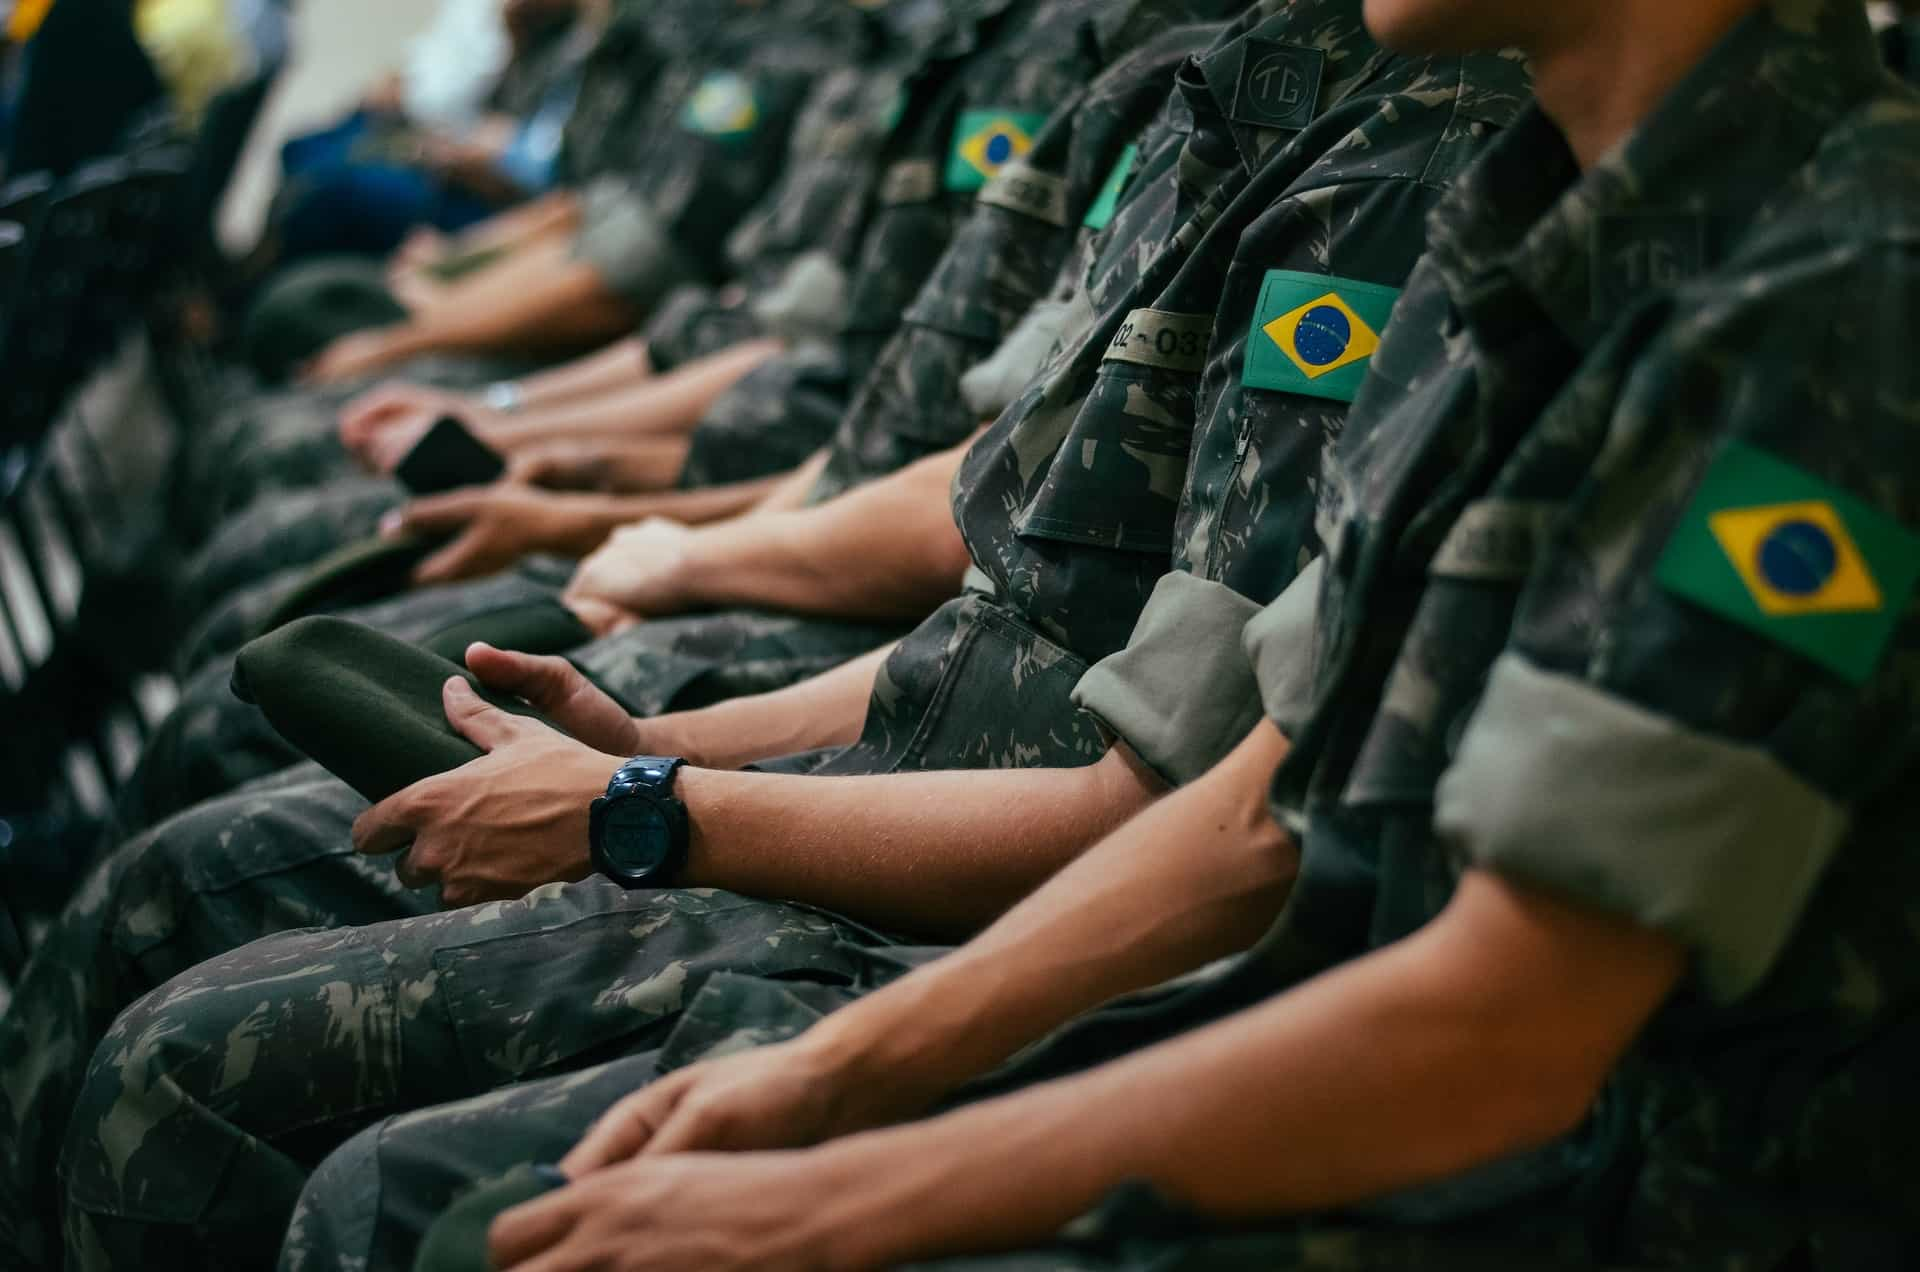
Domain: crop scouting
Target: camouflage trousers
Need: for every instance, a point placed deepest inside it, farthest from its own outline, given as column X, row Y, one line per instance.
column 371, row 1201
column 212, row 742
column 211, row 1099
column 274, row 856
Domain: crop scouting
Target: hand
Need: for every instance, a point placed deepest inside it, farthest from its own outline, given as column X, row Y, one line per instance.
column 493, row 527
column 564, row 465
column 769, row 1212
column 786, row 1095
column 562, row 694
column 381, row 425
column 352, row 356
column 639, row 570
column 502, row 825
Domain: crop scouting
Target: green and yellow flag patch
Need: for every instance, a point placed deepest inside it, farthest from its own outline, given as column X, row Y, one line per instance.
column 1315, row 334
column 1776, row 550
column 723, row 106
column 1104, row 206
column 985, row 141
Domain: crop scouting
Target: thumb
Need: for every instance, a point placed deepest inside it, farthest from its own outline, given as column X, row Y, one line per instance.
column 476, row 719
column 543, row 680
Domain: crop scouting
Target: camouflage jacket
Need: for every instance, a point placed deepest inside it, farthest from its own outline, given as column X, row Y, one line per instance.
column 1005, row 63
column 710, row 142
column 1069, row 503
column 1022, row 230
column 1658, row 488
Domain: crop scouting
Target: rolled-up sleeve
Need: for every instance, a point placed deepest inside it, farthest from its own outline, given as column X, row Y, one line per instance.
column 624, row 241
column 1181, row 694
column 1562, row 786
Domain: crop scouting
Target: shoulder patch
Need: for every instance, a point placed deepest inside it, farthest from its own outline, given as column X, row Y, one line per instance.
column 1780, row 552
column 985, row 141
column 1279, row 85
column 1315, row 334
column 1104, row 206
column 723, row 106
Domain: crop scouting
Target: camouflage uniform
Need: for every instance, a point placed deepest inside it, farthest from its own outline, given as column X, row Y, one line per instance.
column 1521, row 527
column 1173, row 165
column 914, row 405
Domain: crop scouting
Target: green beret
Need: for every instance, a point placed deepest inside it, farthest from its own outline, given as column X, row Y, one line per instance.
column 457, row 1241
column 360, row 573
column 309, row 307
column 531, row 627
column 364, row 704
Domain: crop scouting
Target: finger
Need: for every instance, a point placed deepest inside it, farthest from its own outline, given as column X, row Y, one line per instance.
column 522, row 1232
column 599, row 617
column 365, row 411
column 543, row 679
column 476, row 719
column 624, row 1129
column 386, row 827
column 436, row 513
column 412, row 869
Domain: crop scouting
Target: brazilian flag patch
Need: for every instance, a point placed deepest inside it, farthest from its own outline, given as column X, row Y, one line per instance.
column 1315, row 334
column 985, row 141
column 1776, row 550
column 1101, row 213
column 723, row 106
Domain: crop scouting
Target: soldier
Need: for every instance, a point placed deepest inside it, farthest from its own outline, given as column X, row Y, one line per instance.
column 1575, row 803
column 1375, row 143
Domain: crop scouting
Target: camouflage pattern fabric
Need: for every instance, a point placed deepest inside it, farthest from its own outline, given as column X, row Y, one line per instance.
column 817, row 210
column 1069, row 503
column 1021, row 232
column 381, row 1019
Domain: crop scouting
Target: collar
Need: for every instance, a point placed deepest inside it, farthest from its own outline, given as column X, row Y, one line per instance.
column 1749, row 114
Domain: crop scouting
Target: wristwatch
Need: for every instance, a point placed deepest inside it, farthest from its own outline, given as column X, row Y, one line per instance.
column 503, row 396
column 637, row 831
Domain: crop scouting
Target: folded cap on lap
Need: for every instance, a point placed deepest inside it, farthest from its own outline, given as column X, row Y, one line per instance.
column 370, row 570
column 457, row 1241
column 532, row 627
column 365, row 705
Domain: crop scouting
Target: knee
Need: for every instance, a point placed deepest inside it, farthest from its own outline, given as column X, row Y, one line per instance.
column 333, row 1223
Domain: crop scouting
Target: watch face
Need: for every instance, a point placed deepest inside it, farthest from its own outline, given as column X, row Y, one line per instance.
column 637, row 838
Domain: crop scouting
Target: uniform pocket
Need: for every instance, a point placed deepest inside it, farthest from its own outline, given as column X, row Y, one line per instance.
column 1116, row 478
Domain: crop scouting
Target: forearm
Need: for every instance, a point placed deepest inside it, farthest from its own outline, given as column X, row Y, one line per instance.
column 620, row 364
column 1196, row 877
column 668, row 405
column 1466, row 1042
column 823, row 711
column 887, row 550
column 936, row 854
column 577, row 523
column 554, row 213
column 539, row 298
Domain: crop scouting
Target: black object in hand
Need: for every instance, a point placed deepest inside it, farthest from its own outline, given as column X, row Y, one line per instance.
column 447, row 458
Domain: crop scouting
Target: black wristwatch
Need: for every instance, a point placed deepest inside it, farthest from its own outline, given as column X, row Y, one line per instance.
column 637, row 832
